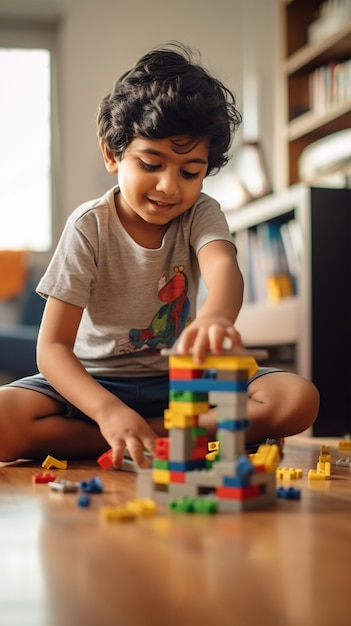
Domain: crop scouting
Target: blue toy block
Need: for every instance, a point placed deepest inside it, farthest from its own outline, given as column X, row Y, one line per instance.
column 288, row 493
column 244, row 467
column 236, row 481
column 83, row 500
column 93, row 485
column 203, row 384
column 242, row 424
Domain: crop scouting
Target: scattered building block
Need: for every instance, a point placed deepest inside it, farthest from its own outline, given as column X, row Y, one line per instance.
column 289, row 473
column 142, row 507
column 288, row 493
column 343, row 462
column 83, row 500
column 105, row 460
column 345, row 444
column 315, row 475
column 44, row 478
column 50, row 462
column 93, row 485
column 65, row 486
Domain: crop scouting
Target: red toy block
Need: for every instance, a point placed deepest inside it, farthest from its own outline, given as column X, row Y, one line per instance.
column 198, row 453
column 184, row 374
column 105, row 460
column 238, row 493
column 177, row 477
column 162, row 448
column 46, row 477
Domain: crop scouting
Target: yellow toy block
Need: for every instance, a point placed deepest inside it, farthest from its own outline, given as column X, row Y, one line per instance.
column 161, row 477
column 50, row 462
column 267, row 455
column 211, row 456
column 212, row 445
column 142, row 507
column 325, row 458
column 220, row 362
column 116, row 514
column 174, row 420
column 188, row 408
column 324, row 450
column 323, row 468
column 290, row 473
column 315, row 475
column 345, row 444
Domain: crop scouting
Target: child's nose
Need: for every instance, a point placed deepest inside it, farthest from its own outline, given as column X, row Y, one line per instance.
column 167, row 182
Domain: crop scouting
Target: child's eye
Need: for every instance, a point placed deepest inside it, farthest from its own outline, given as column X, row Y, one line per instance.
column 150, row 167
column 189, row 175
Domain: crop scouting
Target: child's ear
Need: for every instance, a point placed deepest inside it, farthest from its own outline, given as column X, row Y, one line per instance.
column 109, row 158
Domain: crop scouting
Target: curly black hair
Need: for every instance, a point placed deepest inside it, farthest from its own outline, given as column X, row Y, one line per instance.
column 168, row 95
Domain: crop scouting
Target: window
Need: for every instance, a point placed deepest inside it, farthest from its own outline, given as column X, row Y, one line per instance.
column 25, row 144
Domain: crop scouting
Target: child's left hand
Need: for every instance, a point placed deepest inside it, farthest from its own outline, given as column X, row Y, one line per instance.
column 208, row 333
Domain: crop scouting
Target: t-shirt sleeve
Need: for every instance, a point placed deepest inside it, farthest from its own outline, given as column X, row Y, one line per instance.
column 208, row 224
column 72, row 270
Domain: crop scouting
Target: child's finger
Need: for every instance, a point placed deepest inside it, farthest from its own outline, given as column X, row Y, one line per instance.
column 117, row 453
column 136, row 452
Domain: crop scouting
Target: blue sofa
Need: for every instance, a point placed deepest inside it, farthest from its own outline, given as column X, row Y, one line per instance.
column 18, row 340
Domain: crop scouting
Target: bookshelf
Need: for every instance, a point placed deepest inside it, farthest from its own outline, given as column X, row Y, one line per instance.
column 308, row 331
column 313, row 74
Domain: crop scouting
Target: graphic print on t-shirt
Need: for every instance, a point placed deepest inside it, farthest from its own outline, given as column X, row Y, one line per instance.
column 169, row 321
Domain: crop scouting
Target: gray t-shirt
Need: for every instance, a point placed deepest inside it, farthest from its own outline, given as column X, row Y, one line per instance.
column 136, row 300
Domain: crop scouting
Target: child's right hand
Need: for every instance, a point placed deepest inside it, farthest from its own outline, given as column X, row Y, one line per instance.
column 124, row 428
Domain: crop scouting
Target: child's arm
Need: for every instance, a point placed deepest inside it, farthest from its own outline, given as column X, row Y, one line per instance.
column 215, row 319
column 120, row 426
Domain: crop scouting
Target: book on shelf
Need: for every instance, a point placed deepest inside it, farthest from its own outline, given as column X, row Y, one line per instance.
column 269, row 257
column 329, row 86
column 292, row 240
column 277, row 276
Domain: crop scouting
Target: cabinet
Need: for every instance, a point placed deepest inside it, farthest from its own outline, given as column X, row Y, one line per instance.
column 315, row 96
column 310, row 331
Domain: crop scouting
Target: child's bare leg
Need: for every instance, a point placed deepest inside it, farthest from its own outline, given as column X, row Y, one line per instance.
column 31, row 427
column 279, row 404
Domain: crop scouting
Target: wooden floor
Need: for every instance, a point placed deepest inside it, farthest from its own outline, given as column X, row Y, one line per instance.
column 288, row 565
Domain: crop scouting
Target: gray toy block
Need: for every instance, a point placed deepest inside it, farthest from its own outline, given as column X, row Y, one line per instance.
column 224, row 468
column 231, row 443
column 204, row 478
column 161, row 497
column 181, row 444
column 343, row 462
column 263, row 478
column 177, row 490
column 238, row 400
column 232, row 375
column 261, row 501
column 226, row 412
column 145, row 486
column 225, row 505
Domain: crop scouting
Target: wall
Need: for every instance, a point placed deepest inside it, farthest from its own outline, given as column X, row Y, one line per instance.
column 98, row 41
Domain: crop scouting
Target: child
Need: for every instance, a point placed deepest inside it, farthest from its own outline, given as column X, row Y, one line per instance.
column 122, row 283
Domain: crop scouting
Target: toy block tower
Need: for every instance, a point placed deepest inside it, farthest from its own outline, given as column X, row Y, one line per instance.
column 180, row 467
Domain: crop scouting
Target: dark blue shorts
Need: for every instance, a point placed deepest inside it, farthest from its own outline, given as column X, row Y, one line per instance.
column 147, row 396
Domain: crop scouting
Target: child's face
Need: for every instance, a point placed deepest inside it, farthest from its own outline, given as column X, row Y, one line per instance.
column 158, row 182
